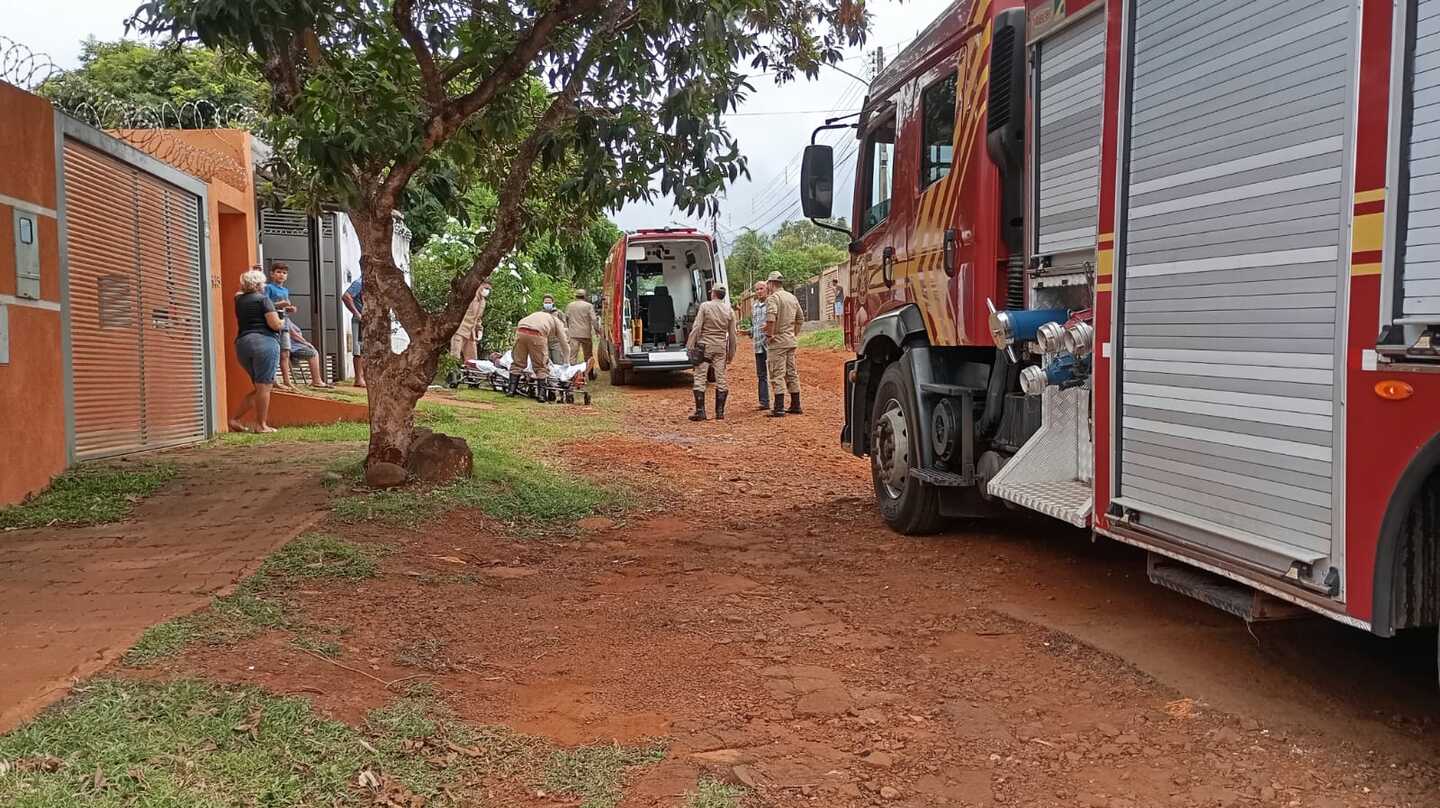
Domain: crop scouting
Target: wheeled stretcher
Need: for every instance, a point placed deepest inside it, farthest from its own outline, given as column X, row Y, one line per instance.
column 563, row 384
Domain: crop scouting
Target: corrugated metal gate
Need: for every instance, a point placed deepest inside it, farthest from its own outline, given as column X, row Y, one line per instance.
column 1071, row 69
column 1231, row 278
column 137, row 314
column 1420, row 281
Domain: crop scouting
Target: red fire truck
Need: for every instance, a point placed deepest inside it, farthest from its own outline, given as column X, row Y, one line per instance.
column 1169, row 271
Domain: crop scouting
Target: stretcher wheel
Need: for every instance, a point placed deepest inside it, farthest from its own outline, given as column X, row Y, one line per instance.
column 586, row 398
column 452, row 379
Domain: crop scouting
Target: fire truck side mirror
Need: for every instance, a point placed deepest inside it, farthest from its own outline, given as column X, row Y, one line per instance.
column 817, row 181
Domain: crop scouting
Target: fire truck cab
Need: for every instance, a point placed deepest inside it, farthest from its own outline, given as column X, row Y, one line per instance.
column 1167, row 271
column 655, row 281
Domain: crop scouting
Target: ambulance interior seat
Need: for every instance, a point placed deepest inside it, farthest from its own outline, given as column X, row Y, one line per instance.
column 660, row 315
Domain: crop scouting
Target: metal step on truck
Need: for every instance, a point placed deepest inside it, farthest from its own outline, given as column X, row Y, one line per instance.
column 1166, row 271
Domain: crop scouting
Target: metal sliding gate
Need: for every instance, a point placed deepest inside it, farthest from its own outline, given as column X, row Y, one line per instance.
column 137, row 309
column 1234, row 259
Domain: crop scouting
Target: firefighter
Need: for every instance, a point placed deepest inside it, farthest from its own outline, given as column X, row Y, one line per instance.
column 580, row 322
column 714, row 336
column 532, row 342
column 783, row 318
column 464, row 345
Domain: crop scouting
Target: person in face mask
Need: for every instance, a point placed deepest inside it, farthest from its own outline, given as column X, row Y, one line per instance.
column 465, row 344
column 559, row 355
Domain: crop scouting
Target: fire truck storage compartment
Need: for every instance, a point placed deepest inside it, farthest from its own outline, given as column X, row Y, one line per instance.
column 1420, row 252
column 1070, row 68
column 1230, row 277
column 662, row 292
column 137, row 300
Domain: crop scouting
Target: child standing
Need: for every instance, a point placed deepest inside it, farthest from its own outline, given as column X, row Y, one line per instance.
column 279, row 294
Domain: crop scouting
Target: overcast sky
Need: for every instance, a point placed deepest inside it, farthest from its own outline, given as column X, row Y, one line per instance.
column 773, row 125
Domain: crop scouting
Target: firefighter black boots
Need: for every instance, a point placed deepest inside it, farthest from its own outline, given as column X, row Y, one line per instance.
column 699, row 405
column 514, row 385
column 779, row 410
column 795, row 405
column 720, row 396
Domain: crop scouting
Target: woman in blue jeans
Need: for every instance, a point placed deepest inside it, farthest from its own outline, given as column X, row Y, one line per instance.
column 258, row 348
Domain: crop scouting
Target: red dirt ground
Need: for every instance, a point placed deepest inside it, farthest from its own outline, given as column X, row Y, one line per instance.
column 756, row 612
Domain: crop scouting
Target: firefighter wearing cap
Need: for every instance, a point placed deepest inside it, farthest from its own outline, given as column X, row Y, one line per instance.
column 580, row 322
column 783, row 318
column 713, row 337
column 532, row 340
column 465, row 344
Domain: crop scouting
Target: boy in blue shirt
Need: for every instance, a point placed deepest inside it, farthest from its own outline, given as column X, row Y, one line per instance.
column 280, row 296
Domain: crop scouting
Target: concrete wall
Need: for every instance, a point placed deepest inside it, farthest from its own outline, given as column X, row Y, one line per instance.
column 33, row 447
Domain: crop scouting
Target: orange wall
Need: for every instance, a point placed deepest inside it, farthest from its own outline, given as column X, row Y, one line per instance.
column 222, row 157
column 32, row 448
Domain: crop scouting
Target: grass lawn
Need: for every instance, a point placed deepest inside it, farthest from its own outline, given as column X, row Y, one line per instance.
column 830, row 339
column 88, row 495
column 514, row 442
column 188, row 743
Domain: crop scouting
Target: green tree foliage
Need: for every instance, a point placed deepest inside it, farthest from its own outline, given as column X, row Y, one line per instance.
column 517, row 286
column 798, row 251
column 801, row 233
column 602, row 101
column 183, row 86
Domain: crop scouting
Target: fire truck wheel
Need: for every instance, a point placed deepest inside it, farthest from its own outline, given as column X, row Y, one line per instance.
column 908, row 505
column 618, row 375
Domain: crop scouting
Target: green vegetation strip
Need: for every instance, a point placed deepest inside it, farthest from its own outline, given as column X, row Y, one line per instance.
column 257, row 603
column 595, row 774
column 830, row 339
column 711, row 793
column 188, row 743
column 89, row 495
column 518, row 477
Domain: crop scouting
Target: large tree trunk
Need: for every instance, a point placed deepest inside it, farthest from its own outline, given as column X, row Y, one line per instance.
column 395, row 381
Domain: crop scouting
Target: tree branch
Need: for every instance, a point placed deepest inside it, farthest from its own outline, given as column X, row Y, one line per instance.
column 403, row 15
column 453, row 114
column 507, row 223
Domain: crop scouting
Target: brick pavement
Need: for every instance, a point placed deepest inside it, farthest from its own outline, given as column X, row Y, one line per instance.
column 73, row 600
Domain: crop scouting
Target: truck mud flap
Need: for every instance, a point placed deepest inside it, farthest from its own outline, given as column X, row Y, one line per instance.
column 846, row 438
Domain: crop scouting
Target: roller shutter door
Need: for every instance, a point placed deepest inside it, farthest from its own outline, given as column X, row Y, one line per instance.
column 1236, row 147
column 1421, row 242
column 1071, row 68
column 136, row 307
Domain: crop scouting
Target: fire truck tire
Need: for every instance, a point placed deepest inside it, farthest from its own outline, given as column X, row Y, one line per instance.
column 619, row 377
column 908, row 505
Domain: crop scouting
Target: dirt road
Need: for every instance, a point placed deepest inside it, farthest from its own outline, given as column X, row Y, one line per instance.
column 755, row 612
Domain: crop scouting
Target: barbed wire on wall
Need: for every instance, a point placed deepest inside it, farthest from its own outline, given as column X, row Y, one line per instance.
column 23, row 67
column 157, row 131
column 149, row 128
column 113, row 113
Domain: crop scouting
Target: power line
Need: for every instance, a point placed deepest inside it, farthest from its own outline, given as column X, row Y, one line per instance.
column 790, row 112
column 782, row 177
column 769, row 202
